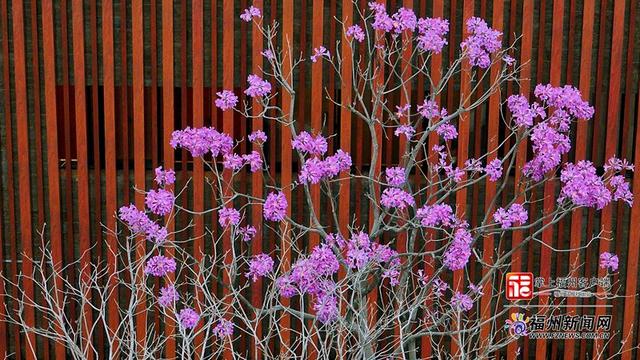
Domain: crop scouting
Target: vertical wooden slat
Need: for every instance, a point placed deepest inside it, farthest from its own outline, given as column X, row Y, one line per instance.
column 8, row 141
column 580, row 152
column 257, row 177
column 316, row 101
column 84, row 225
column 228, row 123
column 549, row 186
column 124, row 100
column 436, row 77
column 197, row 59
column 492, row 147
column 111, row 190
column 612, row 135
column 168, row 119
column 24, row 183
column 137, row 45
column 286, row 155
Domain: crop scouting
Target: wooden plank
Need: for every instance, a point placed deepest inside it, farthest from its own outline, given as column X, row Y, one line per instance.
column 286, row 160
column 580, row 151
column 227, row 118
column 168, row 118
column 111, row 187
column 84, row 219
column 137, row 45
column 197, row 65
column 493, row 123
column 257, row 178
column 549, row 186
column 12, row 223
column 612, row 134
column 316, row 99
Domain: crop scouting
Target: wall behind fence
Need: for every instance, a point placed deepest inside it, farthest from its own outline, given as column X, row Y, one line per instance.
column 91, row 92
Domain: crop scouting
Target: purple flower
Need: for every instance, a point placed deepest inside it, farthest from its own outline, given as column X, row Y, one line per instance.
column 566, row 98
column 259, row 266
column 482, row 42
column 275, row 206
column 320, row 52
column 324, row 260
column 306, row 143
column 435, row 215
column 157, row 234
column 439, row 286
column 432, row 34
column 254, row 160
column 233, row 162
column 159, row 266
column 621, row 189
column 312, row 171
column 523, row 113
column 188, row 318
column 136, row 220
column 163, row 177
column 455, row 174
column 461, row 302
column 548, row 147
column 508, row 60
column 447, row 131
column 223, row 329
column 356, row 32
column 258, row 137
column 268, row 54
column 494, row 169
column 250, row 13
column 226, row 100
column 228, row 216
column 257, row 86
column 200, row 141
column 430, row 110
column 457, row 255
column 247, row 232
column 381, row 20
column 335, row 239
column 615, row 164
column 476, row 289
column 396, row 198
column 326, row 308
column 340, row 161
column 404, row 19
column 516, row 214
column 402, row 111
column 473, row 165
column 395, row 176
column 583, row 186
column 286, row 286
column 168, row 296
column 406, row 130
column 609, row 260
column 160, row 202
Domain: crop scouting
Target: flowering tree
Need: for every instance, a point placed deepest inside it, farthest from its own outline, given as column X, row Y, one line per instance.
column 416, row 238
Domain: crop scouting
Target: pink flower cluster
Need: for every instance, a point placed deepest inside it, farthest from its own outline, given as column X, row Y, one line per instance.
column 228, row 216
column 160, row 201
column 395, row 176
column 361, row 252
column 223, row 329
column 188, row 318
column 395, row 198
column 458, row 253
column 523, row 113
column 314, row 170
column 164, row 177
column 432, row 34
column 258, row 137
column 548, row 147
column 356, row 32
column 139, row 223
column 609, row 261
column 516, row 214
column 259, row 266
column 309, row 144
column 159, row 266
column 447, row 131
column 250, row 13
column 275, row 206
column 201, row 141
column 481, row 43
column 431, row 110
column 494, row 169
column 257, row 86
column 320, row 52
column 436, row 215
column 582, row 186
column 168, row 296
column 226, row 100
column 461, row 302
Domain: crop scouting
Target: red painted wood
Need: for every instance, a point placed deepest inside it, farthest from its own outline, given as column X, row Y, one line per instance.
column 197, row 66
column 168, row 118
column 137, row 45
column 111, row 185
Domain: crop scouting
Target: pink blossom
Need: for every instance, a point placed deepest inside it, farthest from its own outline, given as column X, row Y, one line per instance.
column 275, row 206
column 228, row 216
column 396, row 198
column 160, row 266
column 226, row 100
column 165, row 177
column 257, row 86
column 320, row 52
column 250, row 13
column 160, row 201
column 259, row 266
column 481, row 43
column 188, row 318
column 356, row 32
column 609, row 261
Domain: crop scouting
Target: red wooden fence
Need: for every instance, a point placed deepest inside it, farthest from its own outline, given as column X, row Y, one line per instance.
column 88, row 111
